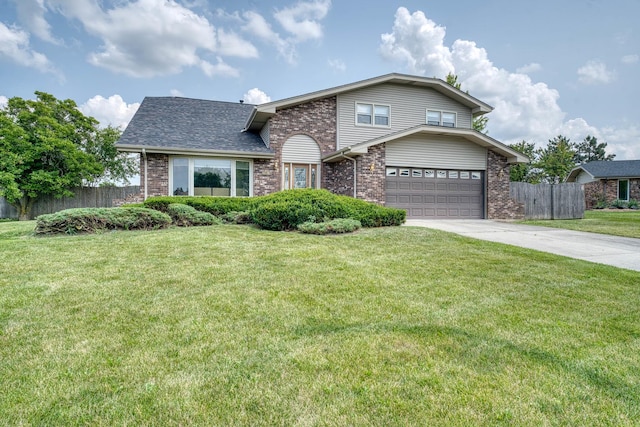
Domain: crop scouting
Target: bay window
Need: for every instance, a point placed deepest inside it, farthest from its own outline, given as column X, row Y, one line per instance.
column 204, row 176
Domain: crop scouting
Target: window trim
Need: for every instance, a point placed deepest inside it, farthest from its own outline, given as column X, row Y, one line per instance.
column 191, row 169
column 627, row 195
column 373, row 115
column 441, row 114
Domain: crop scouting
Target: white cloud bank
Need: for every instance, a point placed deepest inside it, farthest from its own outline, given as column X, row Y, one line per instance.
column 148, row 38
column 523, row 109
column 14, row 44
column 256, row 96
column 3, row 101
column 112, row 111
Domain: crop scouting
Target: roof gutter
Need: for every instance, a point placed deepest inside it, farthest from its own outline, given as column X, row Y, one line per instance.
column 194, row 152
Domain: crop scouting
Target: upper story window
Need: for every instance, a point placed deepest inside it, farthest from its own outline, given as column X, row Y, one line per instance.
column 372, row 114
column 441, row 118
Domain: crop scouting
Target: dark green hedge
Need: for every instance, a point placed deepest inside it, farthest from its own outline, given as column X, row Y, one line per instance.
column 287, row 209
column 217, row 206
column 93, row 220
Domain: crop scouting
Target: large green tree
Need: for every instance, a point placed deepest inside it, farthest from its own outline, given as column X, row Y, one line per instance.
column 479, row 122
column 48, row 147
column 590, row 150
column 556, row 160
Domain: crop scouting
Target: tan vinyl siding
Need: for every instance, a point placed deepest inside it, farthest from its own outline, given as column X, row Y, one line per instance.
column 301, row 149
column 436, row 152
column 584, row 178
column 408, row 108
column 264, row 133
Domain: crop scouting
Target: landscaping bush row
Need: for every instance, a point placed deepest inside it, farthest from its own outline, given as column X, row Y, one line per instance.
column 285, row 210
column 618, row 204
column 95, row 220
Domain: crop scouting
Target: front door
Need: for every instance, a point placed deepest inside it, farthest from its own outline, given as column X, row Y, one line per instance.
column 299, row 175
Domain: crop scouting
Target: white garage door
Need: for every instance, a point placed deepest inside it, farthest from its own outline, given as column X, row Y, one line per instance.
column 436, row 193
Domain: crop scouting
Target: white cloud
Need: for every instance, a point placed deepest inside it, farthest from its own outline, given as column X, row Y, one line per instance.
column 302, row 19
column 233, row 45
column 529, row 68
column 630, row 59
column 148, row 38
column 523, row 109
column 176, row 92
column 110, row 111
column 256, row 96
column 220, row 69
column 3, row 101
column 14, row 44
column 31, row 14
column 418, row 43
column 337, row 65
column 256, row 25
column 623, row 142
column 594, row 72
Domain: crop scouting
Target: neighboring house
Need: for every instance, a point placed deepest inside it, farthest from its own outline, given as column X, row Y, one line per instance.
column 608, row 180
column 396, row 140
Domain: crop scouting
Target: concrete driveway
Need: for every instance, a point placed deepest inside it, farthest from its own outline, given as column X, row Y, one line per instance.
column 623, row 252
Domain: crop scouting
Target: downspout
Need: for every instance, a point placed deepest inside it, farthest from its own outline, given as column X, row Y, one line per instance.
column 354, row 175
column 144, row 155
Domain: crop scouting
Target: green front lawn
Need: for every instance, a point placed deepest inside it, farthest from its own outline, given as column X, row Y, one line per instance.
column 231, row 325
column 624, row 223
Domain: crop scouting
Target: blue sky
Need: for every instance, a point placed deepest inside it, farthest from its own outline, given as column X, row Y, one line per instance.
column 548, row 67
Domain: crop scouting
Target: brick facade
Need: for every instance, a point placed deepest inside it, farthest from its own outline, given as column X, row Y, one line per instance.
column 370, row 171
column 158, row 168
column 338, row 177
column 606, row 190
column 500, row 205
column 316, row 119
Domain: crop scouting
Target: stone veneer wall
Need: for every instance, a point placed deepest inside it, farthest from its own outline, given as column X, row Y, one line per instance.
column 370, row 171
column 594, row 191
column 499, row 203
column 316, row 119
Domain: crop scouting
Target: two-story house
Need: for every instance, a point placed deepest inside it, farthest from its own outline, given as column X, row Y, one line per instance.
column 397, row 140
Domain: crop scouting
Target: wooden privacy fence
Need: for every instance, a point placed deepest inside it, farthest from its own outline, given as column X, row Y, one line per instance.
column 549, row 201
column 85, row 197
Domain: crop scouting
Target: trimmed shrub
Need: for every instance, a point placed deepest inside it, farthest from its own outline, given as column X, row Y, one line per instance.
column 620, row 204
column 187, row 216
column 287, row 209
column 95, row 220
column 633, row 204
column 339, row 225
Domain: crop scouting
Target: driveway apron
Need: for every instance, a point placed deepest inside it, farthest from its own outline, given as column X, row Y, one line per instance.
column 622, row 252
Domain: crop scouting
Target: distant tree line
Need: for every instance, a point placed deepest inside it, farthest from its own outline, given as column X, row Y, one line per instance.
column 553, row 163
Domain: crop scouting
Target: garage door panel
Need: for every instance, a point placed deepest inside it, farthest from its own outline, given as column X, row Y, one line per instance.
column 423, row 195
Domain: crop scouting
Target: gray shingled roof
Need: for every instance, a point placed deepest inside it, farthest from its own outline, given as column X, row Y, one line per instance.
column 613, row 169
column 191, row 125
